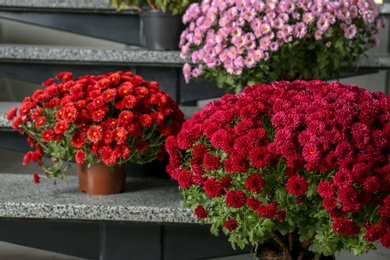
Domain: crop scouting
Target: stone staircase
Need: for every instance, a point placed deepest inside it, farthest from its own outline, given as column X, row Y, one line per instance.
column 95, row 18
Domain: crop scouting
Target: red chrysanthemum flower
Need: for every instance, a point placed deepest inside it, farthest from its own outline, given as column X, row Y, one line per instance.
column 40, row 121
column 200, row 150
column 47, row 135
column 373, row 233
column 120, row 134
column 212, row 188
column 98, row 115
column 226, row 182
column 343, row 178
column 12, row 113
column 37, row 113
column 80, row 156
column 125, row 117
column 200, row 212
column 94, row 134
column 345, row 226
column 211, row 162
column 268, row 211
column 235, row 199
column 297, row 185
column 141, row 146
column 145, row 120
column 109, row 95
column 27, row 158
column 185, row 178
column 70, row 113
column 254, row 182
column 329, row 203
column 61, row 126
column 129, row 101
column 114, row 78
column 36, row 178
column 326, row 189
column 259, row 157
column 231, row 224
column 385, row 239
column 122, row 151
column 239, row 163
column 254, row 203
column 78, row 140
column 371, row 184
column 125, row 88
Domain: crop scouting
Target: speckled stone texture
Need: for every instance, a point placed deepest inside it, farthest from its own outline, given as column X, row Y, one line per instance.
column 145, row 200
column 125, row 57
column 84, row 55
column 4, row 108
column 74, row 4
column 375, row 62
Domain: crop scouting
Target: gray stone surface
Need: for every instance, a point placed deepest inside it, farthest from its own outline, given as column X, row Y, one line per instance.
column 73, row 4
column 125, row 57
column 4, row 108
column 385, row 9
column 92, row 56
column 145, row 200
column 375, row 61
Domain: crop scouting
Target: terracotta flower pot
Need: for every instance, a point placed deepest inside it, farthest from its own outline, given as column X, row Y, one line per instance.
column 100, row 179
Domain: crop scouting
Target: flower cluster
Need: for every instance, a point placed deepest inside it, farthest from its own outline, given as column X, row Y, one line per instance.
column 111, row 119
column 305, row 157
column 241, row 42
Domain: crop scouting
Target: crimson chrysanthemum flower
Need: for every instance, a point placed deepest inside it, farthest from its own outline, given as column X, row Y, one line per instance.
column 36, row 178
column 119, row 134
column 80, row 156
column 200, row 212
column 254, row 203
column 125, row 117
column 343, row 178
column 47, row 135
column 70, row 113
column 212, row 187
column 268, row 211
column 326, row 189
column 78, row 140
column 40, row 121
column 141, row 146
column 125, row 88
column 211, row 162
column 185, row 178
column 235, row 199
column 297, row 185
column 254, row 182
column 374, row 233
column 345, row 226
column 231, row 224
column 94, row 134
column 12, row 113
column 385, row 239
column 145, row 120
column 109, row 95
column 129, row 101
column 61, row 126
column 98, row 115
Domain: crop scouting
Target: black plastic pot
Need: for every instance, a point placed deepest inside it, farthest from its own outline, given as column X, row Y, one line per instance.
column 160, row 31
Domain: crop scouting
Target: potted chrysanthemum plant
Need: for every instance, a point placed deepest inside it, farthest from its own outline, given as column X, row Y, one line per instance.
column 101, row 122
column 242, row 42
column 302, row 164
